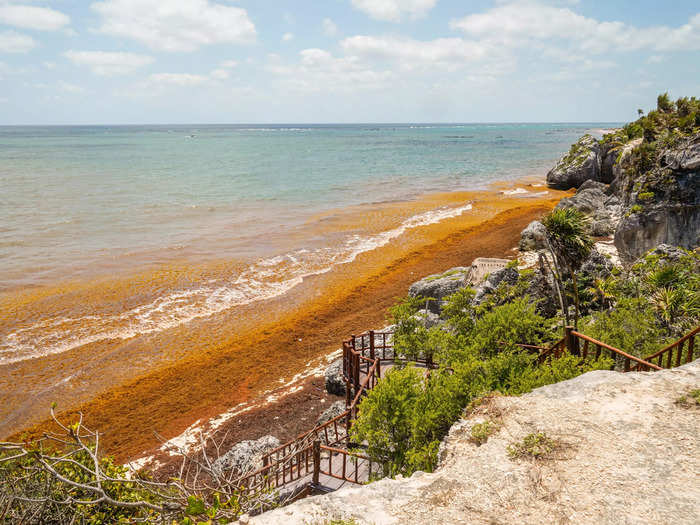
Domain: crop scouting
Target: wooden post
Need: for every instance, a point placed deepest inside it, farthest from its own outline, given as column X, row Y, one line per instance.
column 317, row 461
column 571, row 341
column 691, row 343
column 371, row 344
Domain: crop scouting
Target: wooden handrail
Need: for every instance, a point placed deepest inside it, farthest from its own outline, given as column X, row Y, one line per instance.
column 682, row 340
column 354, row 350
column 616, row 350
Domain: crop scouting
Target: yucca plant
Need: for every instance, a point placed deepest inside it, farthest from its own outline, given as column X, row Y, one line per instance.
column 570, row 245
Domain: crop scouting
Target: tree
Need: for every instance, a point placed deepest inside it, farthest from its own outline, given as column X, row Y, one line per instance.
column 640, row 112
column 570, row 245
column 664, row 103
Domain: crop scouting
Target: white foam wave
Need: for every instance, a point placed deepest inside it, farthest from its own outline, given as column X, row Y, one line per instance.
column 263, row 280
column 516, row 191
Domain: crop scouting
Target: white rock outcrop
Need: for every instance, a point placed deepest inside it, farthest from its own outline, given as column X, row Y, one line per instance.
column 629, row 454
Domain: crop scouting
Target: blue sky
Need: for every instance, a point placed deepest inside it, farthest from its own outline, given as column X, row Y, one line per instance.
column 265, row 61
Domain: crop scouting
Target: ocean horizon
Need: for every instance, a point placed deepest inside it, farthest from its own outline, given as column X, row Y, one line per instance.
column 267, row 205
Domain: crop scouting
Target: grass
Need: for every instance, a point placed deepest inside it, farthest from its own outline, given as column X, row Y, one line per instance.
column 480, row 432
column 441, row 276
column 537, row 445
column 690, row 400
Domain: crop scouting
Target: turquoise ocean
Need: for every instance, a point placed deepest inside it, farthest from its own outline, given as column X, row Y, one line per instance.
column 80, row 202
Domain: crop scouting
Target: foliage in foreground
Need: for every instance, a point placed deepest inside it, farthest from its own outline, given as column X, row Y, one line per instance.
column 65, row 478
column 404, row 418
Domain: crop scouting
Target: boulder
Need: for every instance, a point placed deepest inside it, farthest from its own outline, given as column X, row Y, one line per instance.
column 427, row 318
column 246, row 456
column 507, row 275
column 439, row 286
column 335, row 383
column 593, row 184
column 586, row 201
column 332, row 411
column 580, row 164
column 604, row 210
column 533, row 237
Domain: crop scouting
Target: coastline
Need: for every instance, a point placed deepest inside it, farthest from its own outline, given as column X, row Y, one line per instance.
column 205, row 384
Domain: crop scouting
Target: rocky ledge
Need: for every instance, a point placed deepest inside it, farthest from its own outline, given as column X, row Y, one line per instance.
column 622, row 448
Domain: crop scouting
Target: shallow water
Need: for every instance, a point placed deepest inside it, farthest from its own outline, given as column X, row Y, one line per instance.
column 108, row 233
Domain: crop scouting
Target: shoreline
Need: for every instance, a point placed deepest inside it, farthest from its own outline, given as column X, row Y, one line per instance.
column 202, row 387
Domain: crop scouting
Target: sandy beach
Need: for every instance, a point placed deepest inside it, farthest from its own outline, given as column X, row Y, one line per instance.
column 164, row 383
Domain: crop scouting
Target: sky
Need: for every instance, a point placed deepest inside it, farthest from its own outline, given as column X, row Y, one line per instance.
column 335, row 61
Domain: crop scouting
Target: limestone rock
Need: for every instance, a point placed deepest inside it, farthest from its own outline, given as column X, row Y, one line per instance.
column 507, row 275
column 246, row 455
column 686, row 157
column 533, row 237
column 541, row 290
column 580, row 164
column 332, row 411
column 335, row 383
column 439, row 286
column 626, row 453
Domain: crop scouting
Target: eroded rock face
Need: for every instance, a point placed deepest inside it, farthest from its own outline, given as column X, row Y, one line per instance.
column 626, row 452
column 593, row 200
column 686, row 157
column 580, row 164
column 246, row 455
column 533, row 237
column 660, row 205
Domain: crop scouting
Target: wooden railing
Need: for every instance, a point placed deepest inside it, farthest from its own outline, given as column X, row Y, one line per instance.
column 601, row 349
column 673, row 354
column 352, row 467
column 363, row 356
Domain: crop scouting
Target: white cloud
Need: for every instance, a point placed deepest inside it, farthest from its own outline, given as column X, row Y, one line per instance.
column 329, row 27
column 13, row 42
column 31, row 17
column 394, row 10
column 656, row 59
column 228, row 64
column 70, row 88
column 318, row 70
column 177, row 79
column 517, row 23
column 184, row 25
column 449, row 54
column 220, row 74
column 287, row 37
column 108, row 63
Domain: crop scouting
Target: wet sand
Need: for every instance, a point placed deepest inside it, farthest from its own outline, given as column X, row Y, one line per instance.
column 218, row 363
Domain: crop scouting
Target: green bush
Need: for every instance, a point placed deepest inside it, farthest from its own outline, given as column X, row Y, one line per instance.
column 631, row 326
column 508, row 324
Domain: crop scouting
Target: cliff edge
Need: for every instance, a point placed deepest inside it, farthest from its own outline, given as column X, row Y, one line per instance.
column 604, row 447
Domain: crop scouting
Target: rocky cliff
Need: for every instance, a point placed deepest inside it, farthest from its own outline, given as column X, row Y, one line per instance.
column 653, row 168
column 604, row 447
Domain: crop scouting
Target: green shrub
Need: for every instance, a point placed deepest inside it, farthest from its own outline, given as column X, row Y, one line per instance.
column 535, row 446
column 508, row 324
column 631, row 326
column 480, row 432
